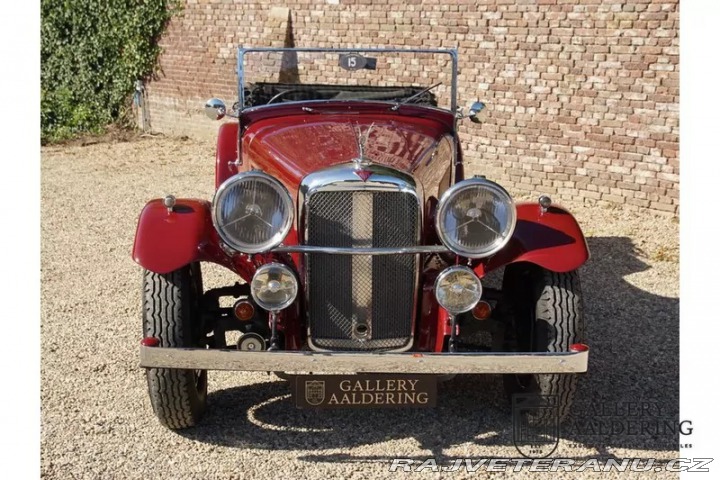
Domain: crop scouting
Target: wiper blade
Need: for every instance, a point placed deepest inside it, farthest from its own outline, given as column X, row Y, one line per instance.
column 413, row 97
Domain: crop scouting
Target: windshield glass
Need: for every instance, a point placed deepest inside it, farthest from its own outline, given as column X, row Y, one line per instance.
column 271, row 76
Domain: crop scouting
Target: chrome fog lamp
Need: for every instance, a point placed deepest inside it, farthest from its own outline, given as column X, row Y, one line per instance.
column 274, row 287
column 458, row 289
column 252, row 212
column 476, row 218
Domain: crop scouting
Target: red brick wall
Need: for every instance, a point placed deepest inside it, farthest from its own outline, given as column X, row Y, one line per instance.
column 583, row 94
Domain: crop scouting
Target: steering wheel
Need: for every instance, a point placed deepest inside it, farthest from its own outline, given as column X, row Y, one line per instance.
column 310, row 95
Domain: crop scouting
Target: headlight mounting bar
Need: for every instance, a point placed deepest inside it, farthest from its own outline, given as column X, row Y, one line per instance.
column 361, row 251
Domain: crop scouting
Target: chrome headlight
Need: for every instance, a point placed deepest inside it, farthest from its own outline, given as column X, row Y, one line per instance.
column 252, row 212
column 475, row 218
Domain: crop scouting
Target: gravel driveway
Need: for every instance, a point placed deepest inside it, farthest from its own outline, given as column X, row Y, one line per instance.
column 96, row 417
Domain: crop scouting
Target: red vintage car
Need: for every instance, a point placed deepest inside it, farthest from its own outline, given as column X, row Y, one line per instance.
column 360, row 246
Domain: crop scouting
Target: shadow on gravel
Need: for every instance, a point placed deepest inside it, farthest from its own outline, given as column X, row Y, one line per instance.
column 630, row 398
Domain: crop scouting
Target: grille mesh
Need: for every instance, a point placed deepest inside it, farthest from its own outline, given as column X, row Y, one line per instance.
column 351, row 291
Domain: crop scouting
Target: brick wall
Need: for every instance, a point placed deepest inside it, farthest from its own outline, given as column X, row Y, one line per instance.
column 583, row 94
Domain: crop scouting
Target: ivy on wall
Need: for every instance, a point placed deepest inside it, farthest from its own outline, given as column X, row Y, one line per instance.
column 92, row 52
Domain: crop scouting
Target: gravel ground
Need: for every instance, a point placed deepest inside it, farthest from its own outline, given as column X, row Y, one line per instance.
column 96, row 417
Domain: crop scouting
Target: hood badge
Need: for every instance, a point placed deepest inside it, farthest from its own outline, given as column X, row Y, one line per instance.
column 361, row 161
column 363, row 174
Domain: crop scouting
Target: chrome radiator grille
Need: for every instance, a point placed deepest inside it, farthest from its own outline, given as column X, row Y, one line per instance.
column 361, row 302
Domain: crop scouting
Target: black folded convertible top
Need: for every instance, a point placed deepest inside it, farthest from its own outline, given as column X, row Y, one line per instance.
column 262, row 93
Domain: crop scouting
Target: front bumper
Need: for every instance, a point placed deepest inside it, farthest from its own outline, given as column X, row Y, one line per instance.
column 573, row 361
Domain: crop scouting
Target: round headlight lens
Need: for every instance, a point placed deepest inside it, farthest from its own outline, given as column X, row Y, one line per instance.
column 274, row 286
column 476, row 218
column 458, row 289
column 252, row 212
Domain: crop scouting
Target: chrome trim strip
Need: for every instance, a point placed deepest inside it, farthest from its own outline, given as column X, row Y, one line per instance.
column 453, row 100
column 362, row 265
column 432, row 363
column 349, row 50
column 360, row 251
column 241, row 81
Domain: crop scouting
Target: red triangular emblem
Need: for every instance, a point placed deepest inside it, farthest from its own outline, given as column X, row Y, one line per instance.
column 363, row 174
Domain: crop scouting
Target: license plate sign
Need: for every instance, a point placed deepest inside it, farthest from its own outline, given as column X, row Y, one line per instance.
column 365, row 391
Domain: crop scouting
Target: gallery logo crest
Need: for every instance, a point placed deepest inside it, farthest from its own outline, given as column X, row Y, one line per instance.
column 536, row 424
column 315, row 392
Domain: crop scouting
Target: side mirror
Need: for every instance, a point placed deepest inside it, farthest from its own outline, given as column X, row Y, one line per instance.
column 476, row 113
column 215, row 109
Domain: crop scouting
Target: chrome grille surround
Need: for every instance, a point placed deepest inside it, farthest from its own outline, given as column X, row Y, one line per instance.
column 338, row 209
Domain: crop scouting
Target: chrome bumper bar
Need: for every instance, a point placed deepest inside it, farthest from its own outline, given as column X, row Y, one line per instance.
column 574, row 361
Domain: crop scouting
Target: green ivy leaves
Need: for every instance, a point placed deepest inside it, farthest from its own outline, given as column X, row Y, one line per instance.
column 92, row 51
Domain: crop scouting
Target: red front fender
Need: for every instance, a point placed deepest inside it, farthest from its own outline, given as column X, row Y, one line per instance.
column 166, row 241
column 552, row 240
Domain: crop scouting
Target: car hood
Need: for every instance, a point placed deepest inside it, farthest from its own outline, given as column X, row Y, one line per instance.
column 291, row 146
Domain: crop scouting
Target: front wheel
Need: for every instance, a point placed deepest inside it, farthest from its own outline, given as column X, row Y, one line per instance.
column 547, row 316
column 171, row 313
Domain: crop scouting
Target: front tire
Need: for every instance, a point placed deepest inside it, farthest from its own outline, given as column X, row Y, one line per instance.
column 171, row 313
column 547, row 316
